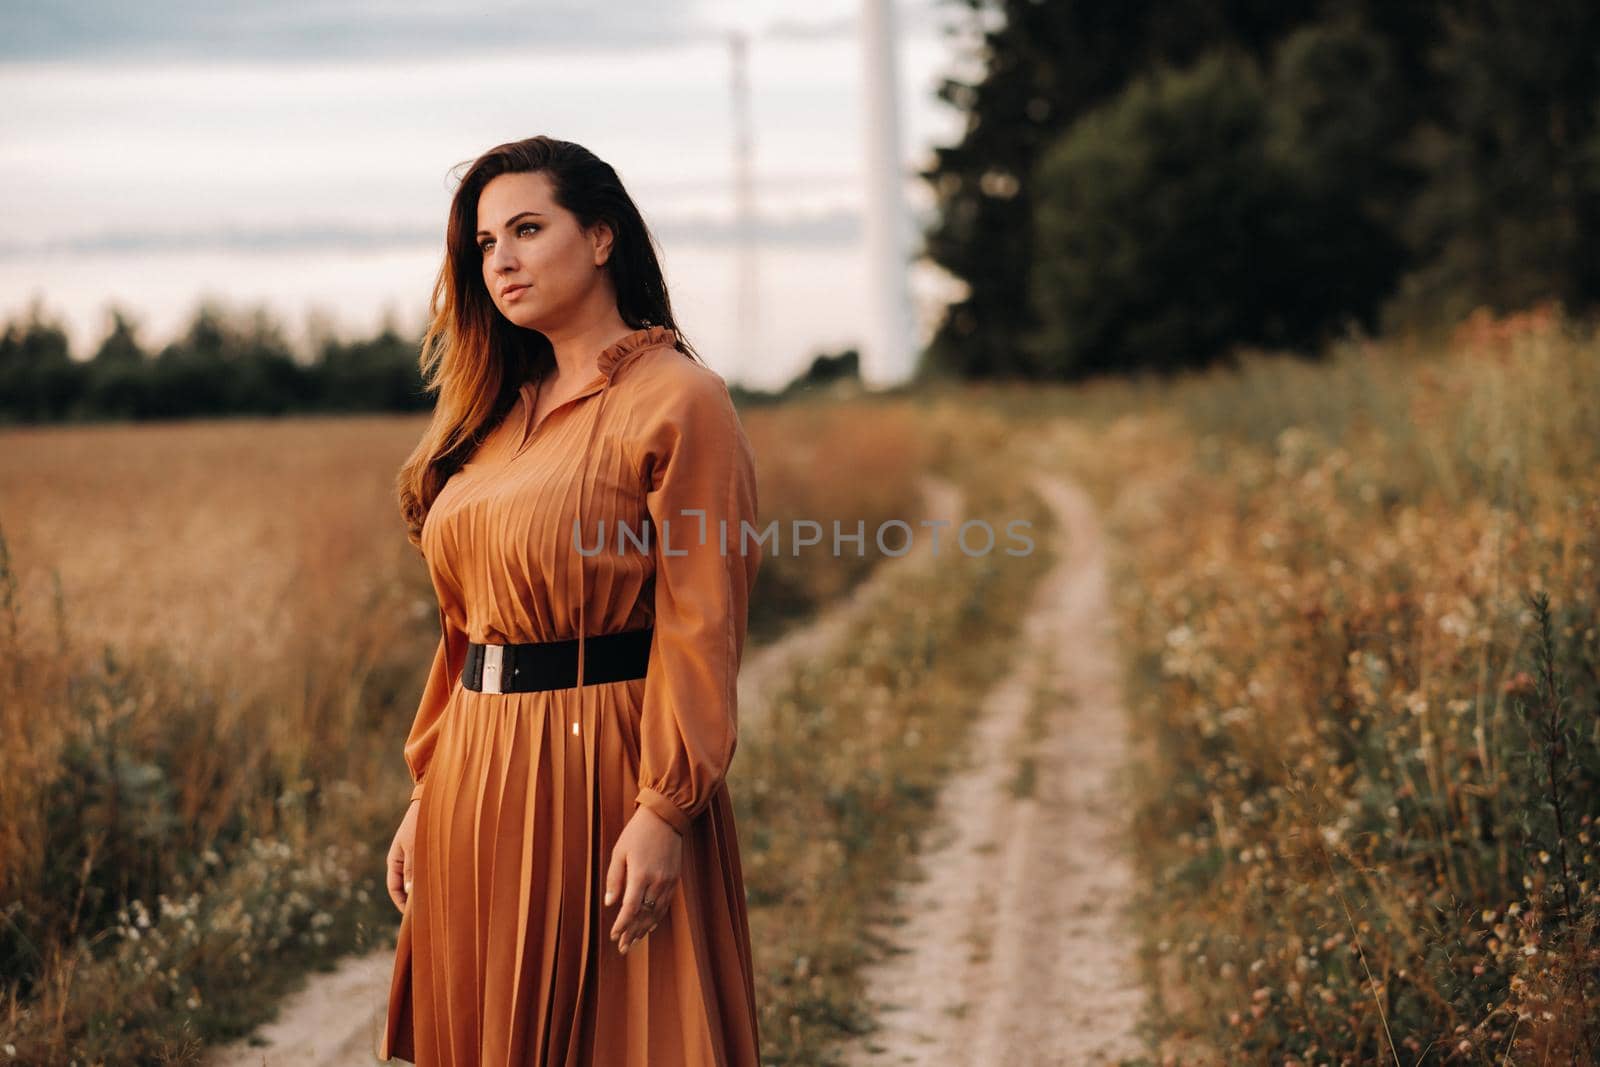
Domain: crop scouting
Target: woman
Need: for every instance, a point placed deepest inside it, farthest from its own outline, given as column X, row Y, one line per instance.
column 568, row 872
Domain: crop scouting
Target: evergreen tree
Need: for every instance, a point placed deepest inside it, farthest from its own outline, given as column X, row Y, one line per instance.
column 38, row 380
column 117, row 372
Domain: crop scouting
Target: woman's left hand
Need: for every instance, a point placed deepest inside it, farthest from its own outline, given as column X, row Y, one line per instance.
column 649, row 856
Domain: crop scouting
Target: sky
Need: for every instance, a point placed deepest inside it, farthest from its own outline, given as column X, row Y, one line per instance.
column 301, row 154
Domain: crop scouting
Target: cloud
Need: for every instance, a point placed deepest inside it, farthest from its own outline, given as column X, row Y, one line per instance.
column 911, row 17
column 839, row 226
column 265, row 30
column 331, row 29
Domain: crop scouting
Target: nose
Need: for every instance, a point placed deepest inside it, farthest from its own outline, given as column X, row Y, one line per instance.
column 502, row 258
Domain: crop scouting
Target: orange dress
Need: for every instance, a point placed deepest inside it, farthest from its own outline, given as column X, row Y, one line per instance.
column 504, row 958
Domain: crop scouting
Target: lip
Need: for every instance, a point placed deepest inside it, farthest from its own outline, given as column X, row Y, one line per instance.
column 511, row 291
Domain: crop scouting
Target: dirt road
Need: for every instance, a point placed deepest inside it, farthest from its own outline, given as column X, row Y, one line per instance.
column 1012, row 948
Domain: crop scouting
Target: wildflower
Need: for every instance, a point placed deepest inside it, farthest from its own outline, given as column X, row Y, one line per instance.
column 1521, row 682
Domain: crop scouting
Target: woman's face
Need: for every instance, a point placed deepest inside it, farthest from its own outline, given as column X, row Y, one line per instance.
column 539, row 265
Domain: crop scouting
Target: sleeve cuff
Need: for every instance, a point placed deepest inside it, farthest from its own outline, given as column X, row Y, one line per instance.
column 665, row 808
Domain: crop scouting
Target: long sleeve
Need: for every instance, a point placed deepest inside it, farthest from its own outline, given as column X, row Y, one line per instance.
column 447, row 661
column 700, row 478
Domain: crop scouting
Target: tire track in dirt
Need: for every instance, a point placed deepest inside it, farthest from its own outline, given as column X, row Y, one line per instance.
column 1012, row 946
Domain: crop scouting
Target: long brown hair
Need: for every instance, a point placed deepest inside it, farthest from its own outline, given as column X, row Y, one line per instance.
column 472, row 356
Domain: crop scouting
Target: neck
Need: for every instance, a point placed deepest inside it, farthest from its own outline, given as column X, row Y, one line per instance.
column 577, row 346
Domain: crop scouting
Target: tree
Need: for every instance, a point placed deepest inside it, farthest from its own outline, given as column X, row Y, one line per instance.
column 1168, row 230
column 1510, row 215
column 116, row 384
column 1047, row 65
column 38, row 380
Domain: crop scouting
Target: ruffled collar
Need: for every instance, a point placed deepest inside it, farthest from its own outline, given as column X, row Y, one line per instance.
column 619, row 350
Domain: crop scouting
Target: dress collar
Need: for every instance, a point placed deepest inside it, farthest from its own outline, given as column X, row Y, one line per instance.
column 613, row 356
column 619, row 351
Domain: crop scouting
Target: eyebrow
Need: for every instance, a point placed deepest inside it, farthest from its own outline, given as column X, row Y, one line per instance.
column 512, row 219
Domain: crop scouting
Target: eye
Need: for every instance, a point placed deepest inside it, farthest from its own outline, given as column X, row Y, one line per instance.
column 483, row 246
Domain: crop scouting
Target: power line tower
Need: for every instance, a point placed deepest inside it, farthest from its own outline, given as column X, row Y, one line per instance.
column 746, row 285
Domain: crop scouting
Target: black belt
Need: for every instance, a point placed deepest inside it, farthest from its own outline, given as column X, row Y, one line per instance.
column 544, row 665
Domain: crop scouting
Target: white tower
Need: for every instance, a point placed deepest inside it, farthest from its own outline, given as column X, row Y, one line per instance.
column 889, row 352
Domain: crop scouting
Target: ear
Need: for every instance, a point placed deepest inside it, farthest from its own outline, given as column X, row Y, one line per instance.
column 602, row 238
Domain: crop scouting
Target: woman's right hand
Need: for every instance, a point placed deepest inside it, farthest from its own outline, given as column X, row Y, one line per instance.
column 400, row 857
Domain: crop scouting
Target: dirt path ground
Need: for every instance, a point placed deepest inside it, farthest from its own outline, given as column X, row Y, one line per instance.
column 1013, row 946
column 336, row 1020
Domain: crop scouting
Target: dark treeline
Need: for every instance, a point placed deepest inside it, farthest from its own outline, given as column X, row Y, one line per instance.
column 239, row 363
column 224, row 363
column 1149, row 184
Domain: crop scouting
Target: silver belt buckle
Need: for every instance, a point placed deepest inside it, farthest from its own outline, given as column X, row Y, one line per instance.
column 493, row 659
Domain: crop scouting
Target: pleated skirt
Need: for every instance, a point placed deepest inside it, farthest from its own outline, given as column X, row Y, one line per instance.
column 504, row 958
